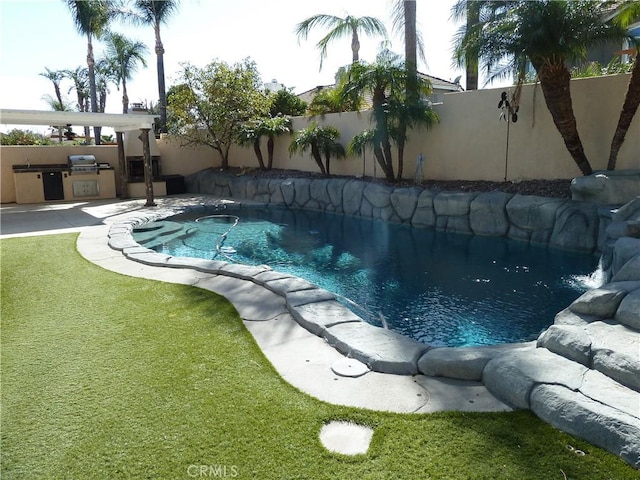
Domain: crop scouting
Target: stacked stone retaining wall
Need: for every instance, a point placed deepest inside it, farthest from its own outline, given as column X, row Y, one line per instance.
column 558, row 223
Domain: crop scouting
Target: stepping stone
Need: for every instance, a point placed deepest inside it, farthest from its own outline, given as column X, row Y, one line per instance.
column 346, row 438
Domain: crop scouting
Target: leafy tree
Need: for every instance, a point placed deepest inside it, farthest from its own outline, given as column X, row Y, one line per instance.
column 548, row 34
column 125, row 55
column 91, row 18
column 385, row 81
column 321, row 141
column 284, row 102
column 214, row 102
column 340, row 28
column 23, row 137
column 627, row 14
column 156, row 13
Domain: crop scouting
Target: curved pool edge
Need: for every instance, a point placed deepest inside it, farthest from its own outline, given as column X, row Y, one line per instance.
column 319, row 311
column 553, row 387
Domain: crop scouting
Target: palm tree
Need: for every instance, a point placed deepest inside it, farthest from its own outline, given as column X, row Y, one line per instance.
column 106, row 73
column 405, row 21
column 340, row 28
column 56, row 104
column 392, row 112
column 628, row 13
column 250, row 133
column 548, row 34
column 469, row 10
column 321, row 141
column 91, row 18
column 125, row 54
column 336, row 99
column 272, row 128
column 156, row 13
column 56, row 76
column 384, row 79
column 80, row 79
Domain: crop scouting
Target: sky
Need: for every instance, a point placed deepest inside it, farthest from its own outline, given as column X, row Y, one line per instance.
column 35, row 34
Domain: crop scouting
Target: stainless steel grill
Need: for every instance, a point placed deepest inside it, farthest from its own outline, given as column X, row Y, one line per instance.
column 82, row 164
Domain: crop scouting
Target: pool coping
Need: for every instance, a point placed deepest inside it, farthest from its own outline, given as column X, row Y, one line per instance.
column 316, row 309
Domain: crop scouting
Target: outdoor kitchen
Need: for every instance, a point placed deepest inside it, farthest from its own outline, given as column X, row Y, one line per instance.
column 81, row 178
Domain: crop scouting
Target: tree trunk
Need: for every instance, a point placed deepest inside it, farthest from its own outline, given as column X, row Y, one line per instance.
column 270, row 147
column 471, row 64
column 555, row 83
column 386, row 149
column 410, row 39
column 162, row 94
column 355, row 46
column 122, row 165
column 315, row 153
column 377, row 152
column 125, row 96
column 327, row 159
column 629, row 109
column 411, row 66
column 258, row 152
column 401, row 144
column 148, row 167
column 92, row 87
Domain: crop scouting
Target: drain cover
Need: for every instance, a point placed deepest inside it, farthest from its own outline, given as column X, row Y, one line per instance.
column 349, row 367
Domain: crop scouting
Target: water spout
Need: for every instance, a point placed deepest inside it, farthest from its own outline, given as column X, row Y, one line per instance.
column 595, row 279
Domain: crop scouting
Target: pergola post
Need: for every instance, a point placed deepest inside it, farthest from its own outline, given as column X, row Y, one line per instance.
column 148, row 169
column 122, row 164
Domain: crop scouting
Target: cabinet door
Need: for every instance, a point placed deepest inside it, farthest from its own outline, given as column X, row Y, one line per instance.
column 53, row 188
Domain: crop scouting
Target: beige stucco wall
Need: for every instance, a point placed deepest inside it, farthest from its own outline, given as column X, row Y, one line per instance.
column 469, row 142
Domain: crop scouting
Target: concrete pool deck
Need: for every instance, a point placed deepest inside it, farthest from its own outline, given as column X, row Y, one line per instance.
column 305, row 360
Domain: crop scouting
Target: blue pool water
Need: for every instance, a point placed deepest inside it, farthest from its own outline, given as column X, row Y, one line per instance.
column 438, row 288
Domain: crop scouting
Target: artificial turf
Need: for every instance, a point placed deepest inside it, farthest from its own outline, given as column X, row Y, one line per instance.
column 106, row 376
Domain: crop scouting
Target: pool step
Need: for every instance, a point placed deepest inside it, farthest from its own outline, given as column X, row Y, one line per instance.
column 571, row 397
column 584, row 375
column 156, row 233
column 604, row 346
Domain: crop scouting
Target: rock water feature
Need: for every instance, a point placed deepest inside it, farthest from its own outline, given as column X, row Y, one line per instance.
column 582, row 373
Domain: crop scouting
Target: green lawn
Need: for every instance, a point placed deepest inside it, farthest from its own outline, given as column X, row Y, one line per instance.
column 142, row 379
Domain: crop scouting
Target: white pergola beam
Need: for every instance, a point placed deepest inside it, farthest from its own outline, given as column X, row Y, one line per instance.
column 120, row 122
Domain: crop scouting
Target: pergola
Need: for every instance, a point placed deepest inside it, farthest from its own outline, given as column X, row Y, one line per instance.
column 119, row 122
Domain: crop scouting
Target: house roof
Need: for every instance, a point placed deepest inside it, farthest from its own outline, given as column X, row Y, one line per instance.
column 438, row 85
column 436, row 82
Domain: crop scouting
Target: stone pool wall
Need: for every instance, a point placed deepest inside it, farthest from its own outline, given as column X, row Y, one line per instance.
column 558, row 223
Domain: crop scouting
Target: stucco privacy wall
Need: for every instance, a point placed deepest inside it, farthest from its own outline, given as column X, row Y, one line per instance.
column 469, row 143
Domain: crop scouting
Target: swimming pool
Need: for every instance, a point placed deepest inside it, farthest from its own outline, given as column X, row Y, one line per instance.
column 439, row 288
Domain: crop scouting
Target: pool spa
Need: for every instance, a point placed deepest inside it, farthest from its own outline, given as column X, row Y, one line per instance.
column 442, row 289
